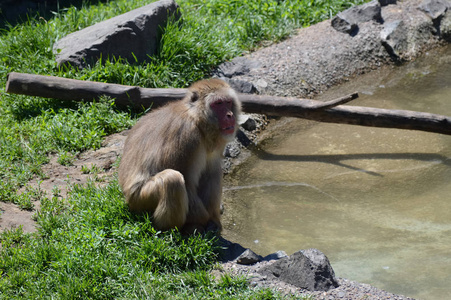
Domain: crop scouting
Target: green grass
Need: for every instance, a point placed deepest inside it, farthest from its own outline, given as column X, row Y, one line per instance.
column 89, row 245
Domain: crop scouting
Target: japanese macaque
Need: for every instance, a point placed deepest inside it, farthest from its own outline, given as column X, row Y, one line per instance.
column 171, row 165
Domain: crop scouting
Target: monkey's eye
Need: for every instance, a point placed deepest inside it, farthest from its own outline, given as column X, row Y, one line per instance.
column 216, row 103
column 194, row 96
column 222, row 102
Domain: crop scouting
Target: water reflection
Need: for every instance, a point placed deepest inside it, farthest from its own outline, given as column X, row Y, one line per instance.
column 338, row 160
column 376, row 201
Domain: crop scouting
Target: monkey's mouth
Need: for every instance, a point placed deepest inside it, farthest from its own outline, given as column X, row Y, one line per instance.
column 228, row 130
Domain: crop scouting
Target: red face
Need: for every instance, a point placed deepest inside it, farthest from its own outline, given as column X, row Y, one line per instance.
column 223, row 111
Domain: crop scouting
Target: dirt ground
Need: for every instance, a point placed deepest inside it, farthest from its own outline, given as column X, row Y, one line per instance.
column 11, row 216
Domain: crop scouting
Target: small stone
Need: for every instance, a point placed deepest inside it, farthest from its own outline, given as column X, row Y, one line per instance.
column 343, row 25
column 232, row 150
column 247, row 122
column 248, row 257
column 276, row 255
column 235, row 67
column 241, row 86
column 348, row 20
column 261, row 83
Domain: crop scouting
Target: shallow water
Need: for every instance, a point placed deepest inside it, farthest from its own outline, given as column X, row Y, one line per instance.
column 376, row 201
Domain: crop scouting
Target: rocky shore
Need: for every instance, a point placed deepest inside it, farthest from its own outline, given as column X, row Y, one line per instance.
column 323, row 55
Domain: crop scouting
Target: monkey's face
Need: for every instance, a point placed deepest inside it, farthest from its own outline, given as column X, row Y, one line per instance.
column 215, row 106
column 223, row 110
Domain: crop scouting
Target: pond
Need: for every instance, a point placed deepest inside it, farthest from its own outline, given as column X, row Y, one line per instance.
column 376, row 201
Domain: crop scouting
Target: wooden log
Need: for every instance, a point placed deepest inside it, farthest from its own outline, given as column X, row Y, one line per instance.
column 78, row 90
column 71, row 89
column 353, row 115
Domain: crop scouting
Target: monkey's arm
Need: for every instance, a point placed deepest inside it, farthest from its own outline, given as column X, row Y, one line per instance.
column 193, row 160
column 210, row 191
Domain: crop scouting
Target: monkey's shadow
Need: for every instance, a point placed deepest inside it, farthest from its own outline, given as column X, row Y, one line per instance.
column 337, row 159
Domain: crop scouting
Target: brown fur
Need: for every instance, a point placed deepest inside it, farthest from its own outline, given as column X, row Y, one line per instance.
column 171, row 166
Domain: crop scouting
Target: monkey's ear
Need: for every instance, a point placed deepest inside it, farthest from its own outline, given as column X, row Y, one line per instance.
column 194, row 96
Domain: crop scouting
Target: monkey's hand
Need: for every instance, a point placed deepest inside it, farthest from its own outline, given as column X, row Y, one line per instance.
column 189, row 229
column 213, row 227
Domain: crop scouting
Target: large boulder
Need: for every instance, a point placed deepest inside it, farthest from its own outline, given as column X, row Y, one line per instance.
column 308, row 269
column 348, row 20
column 133, row 36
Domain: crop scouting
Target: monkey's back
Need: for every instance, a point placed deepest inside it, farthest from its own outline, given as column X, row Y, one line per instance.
column 163, row 139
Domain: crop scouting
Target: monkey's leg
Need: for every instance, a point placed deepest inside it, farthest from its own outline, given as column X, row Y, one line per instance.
column 198, row 216
column 166, row 193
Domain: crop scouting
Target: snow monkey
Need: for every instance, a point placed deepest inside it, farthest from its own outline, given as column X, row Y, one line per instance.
column 171, row 165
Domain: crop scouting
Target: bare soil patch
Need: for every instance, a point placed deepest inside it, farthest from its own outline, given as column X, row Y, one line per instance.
column 97, row 165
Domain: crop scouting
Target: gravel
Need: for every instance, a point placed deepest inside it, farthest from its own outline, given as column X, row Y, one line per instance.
column 348, row 289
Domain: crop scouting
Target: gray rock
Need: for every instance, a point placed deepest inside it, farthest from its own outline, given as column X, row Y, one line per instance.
column 240, row 86
column 235, row 67
column 133, row 35
column 308, row 269
column 370, row 11
column 261, row 84
column 405, row 35
column 232, row 150
column 276, row 255
column 434, row 8
column 247, row 122
column 341, row 24
column 348, row 20
column 394, row 38
column 248, row 257
column 445, row 26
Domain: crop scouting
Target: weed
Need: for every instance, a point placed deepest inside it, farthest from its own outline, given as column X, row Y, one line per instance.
column 66, row 158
